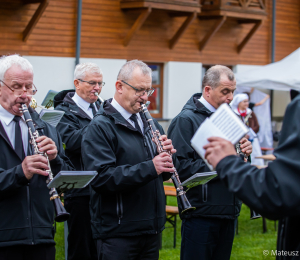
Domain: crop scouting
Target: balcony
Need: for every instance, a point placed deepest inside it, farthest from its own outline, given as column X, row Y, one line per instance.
column 254, row 9
column 188, row 8
column 172, row 5
column 243, row 11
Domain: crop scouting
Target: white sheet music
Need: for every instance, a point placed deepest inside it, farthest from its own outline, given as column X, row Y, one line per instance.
column 223, row 123
column 52, row 117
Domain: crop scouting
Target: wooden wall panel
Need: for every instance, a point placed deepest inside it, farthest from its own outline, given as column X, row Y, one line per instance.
column 105, row 25
column 287, row 23
column 54, row 34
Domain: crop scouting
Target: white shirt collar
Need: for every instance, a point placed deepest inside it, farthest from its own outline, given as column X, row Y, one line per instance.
column 81, row 102
column 6, row 116
column 206, row 104
column 120, row 109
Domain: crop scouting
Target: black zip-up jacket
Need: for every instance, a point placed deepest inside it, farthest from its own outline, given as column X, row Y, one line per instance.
column 72, row 128
column 274, row 192
column 26, row 212
column 127, row 195
column 211, row 200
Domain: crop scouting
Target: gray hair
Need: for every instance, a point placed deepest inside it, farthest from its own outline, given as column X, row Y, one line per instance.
column 127, row 69
column 213, row 74
column 6, row 62
column 82, row 68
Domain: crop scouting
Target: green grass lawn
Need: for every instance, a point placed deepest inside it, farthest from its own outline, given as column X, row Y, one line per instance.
column 248, row 244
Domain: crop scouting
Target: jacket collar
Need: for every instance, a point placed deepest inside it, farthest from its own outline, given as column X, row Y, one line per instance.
column 108, row 110
column 69, row 102
column 196, row 106
column 4, row 135
column 38, row 124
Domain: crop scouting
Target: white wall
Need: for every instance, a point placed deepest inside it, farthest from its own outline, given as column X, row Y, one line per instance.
column 181, row 81
column 56, row 73
column 51, row 73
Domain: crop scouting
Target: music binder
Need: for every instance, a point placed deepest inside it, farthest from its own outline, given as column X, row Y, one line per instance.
column 199, row 179
column 52, row 117
column 66, row 180
column 48, row 100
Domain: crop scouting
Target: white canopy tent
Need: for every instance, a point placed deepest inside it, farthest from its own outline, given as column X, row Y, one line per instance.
column 281, row 75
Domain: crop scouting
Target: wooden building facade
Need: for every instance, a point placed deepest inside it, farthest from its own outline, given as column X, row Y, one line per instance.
column 105, row 26
column 155, row 31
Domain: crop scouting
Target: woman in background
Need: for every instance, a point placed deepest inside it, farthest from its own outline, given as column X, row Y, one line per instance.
column 240, row 105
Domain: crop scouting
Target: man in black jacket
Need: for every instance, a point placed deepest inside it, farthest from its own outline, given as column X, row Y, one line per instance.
column 207, row 232
column 127, row 196
column 273, row 191
column 26, row 212
column 80, row 107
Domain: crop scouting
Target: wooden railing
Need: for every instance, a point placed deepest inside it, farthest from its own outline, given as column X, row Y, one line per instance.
column 173, row 2
column 235, row 5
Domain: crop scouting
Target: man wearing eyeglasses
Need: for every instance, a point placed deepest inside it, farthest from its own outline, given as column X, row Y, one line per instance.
column 26, row 212
column 80, row 107
column 127, row 196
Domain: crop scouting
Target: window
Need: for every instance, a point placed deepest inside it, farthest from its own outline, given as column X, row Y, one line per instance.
column 156, row 105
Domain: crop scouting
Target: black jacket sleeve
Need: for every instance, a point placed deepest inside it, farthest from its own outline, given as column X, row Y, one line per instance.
column 98, row 154
column 273, row 191
column 181, row 132
column 61, row 162
column 71, row 132
column 11, row 179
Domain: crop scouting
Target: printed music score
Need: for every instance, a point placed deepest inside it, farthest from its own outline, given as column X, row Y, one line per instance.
column 223, row 123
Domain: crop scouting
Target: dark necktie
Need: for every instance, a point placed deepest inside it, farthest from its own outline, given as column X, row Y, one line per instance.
column 18, row 138
column 93, row 109
column 134, row 119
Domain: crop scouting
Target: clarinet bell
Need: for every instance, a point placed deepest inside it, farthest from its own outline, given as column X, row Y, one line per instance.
column 186, row 206
column 61, row 214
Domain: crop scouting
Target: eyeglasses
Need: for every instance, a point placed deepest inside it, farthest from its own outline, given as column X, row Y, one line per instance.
column 18, row 89
column 93, row 83
column 141, row 92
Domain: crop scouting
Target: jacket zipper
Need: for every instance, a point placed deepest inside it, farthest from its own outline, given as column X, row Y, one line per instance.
column 119, row 207
column 29, row 214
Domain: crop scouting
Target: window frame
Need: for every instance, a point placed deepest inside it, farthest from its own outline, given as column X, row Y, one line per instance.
column 161, row 88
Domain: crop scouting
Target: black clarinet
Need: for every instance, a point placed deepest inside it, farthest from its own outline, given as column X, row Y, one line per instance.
column 175, row 177
column 253, row 214
column 60, row 212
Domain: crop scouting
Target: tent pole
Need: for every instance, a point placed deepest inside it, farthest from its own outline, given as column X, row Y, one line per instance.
column 273, row 47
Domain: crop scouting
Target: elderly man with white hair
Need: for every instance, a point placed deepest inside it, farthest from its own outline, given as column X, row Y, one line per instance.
column 26, row 212
column 80, row 106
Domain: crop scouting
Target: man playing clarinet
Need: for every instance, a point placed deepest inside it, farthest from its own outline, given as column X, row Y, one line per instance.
column 80, row 106
column 26, row 212
column 127, row 196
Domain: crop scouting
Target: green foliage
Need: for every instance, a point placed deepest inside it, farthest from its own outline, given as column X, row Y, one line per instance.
column 248, row 244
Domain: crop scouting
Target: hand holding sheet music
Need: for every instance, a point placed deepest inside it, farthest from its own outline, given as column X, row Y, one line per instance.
column 224, row 123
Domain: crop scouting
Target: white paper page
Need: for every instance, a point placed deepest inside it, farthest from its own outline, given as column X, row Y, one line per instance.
column 206, row 130
column 223, row 123
column 229, row 124
column 52, row 117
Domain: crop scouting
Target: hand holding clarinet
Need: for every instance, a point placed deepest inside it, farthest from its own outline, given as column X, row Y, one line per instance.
column 163, row 162
column 165, row 150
